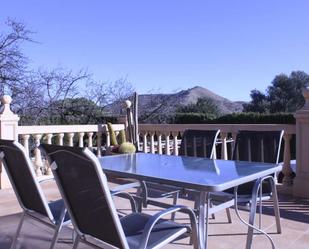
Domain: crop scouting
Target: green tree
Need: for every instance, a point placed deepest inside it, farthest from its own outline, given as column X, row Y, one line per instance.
column 259, row 102
column 203, row 105
column 283, row 95
column 74, row 111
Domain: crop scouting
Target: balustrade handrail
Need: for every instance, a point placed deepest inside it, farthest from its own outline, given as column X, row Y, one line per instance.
column 45, row 129
column 288, row 128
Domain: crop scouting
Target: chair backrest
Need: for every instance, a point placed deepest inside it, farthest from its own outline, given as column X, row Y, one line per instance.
column 258, row 146
column 200, row 143
column 22, row 177
column 84, row 189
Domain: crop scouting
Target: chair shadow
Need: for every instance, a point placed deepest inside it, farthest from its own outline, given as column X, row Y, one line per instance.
column 34, row 235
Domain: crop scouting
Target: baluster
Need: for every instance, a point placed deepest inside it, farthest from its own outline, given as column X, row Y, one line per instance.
column 60, row 138
column 38, row 163
column 48, row 138
column 287, row 169
column 108, row 139
column 167, row 144
column 71, row 136
column 90, row 134
column 160, row 143
column 81, row 139
column 152, row 147
column 175, row 148
column 99, row 145
column 25, row 139
column 145, row 142
column 224, row 146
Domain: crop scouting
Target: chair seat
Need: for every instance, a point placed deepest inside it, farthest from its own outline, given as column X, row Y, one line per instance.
column 246, row 188
column 134, row 224
column 156, row 190
column 219, row 197
column 56, row 207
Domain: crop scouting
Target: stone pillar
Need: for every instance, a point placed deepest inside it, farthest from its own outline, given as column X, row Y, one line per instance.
column 8, row 130
column 301, row 181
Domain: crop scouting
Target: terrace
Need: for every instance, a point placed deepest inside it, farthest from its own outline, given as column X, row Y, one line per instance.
column 164, row 139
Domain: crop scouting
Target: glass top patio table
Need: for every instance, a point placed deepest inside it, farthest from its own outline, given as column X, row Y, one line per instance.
column 188, row 172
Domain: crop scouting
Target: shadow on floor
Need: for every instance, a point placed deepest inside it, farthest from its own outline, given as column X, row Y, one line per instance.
column 290, row 208
column 34, row 235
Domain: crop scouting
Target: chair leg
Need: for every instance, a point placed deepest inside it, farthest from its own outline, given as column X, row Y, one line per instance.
column 212, row 215
column 260, row 206
column 252, row 213
column 276, row 205
column 144, row 194
column 73, row 235
column 77, row 239
column 228, row 214
column 56, row 235
column 175, row 200
column 59, row 224
column 13, row 245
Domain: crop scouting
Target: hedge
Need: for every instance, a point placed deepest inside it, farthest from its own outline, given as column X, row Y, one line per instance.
column 235, row 118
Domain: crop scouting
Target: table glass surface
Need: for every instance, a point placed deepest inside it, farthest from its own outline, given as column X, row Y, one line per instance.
column 198, row 173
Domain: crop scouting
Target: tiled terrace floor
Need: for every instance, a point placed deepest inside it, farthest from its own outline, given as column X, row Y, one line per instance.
column 294, row 213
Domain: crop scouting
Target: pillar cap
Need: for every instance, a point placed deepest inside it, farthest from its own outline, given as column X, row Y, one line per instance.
column 128, row 103
column 6, row 100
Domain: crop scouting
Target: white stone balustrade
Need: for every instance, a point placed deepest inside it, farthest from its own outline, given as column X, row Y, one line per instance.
column 60, row 139
column 154, row 138
column 301, row 181
column 61, row 132
column 70, row 137
column 25, row 142
column 81, row 139
column 90, row 144
column 38, row 163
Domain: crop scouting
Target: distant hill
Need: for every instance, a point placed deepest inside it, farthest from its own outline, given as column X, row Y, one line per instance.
column 168, row 103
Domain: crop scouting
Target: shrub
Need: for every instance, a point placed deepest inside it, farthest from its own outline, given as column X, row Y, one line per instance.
column 235, row 118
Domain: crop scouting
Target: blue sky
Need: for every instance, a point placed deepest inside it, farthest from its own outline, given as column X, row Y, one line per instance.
column 227, row 46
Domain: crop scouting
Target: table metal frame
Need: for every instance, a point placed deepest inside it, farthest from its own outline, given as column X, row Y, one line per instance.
column 205, row 196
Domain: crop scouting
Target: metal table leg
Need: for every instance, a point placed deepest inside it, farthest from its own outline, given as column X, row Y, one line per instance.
column 250, row 225
column 203, row 217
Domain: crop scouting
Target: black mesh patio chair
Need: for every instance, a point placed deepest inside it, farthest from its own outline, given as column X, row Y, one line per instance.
column 85, row 191
column 198, row 143
column 256, row 146
column 29, row 193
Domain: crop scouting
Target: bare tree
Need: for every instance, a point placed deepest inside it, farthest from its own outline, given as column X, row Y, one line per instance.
column 40, row 94
column 13, row 63
column 107, row 93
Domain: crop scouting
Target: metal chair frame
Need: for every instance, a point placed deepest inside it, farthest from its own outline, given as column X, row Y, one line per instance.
column 253, row 200
column 81, row 237
column 51, row 221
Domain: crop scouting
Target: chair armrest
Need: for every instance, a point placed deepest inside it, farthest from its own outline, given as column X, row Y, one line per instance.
column 45, row 178
column 127, row 196
column 126, row 186
column 155, row 218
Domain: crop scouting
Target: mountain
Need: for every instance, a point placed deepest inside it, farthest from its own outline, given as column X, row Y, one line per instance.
column 168, row 103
